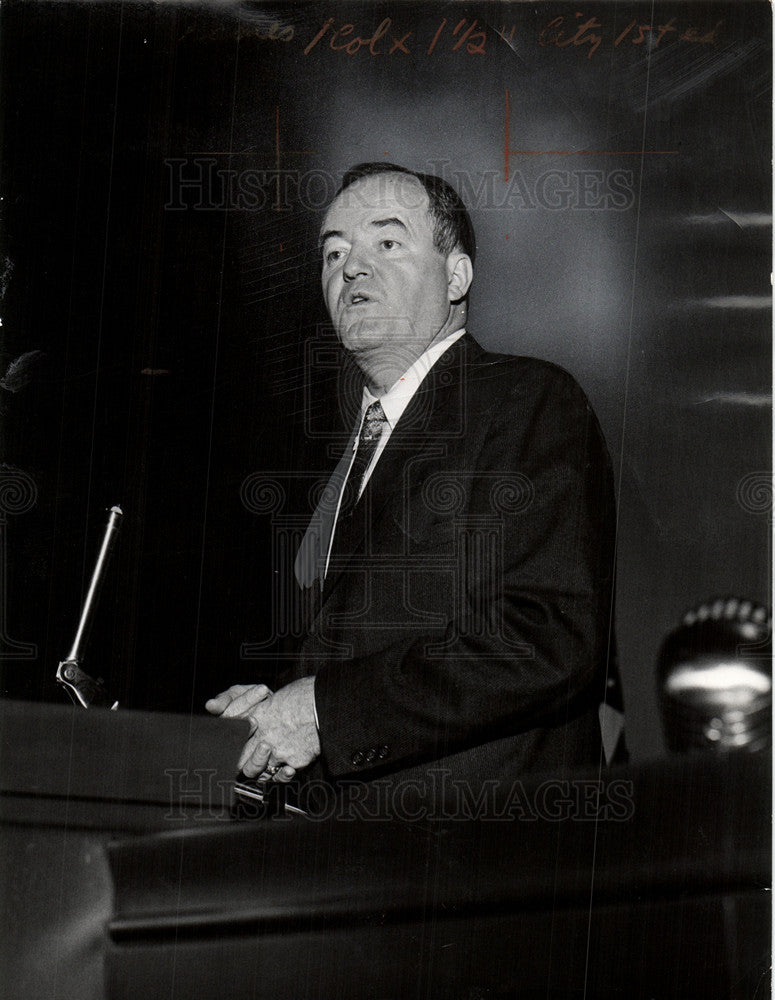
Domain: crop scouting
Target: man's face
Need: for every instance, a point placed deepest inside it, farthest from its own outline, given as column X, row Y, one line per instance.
column 384, row 282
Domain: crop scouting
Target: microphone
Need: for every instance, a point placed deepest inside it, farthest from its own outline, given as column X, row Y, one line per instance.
column 715, row 678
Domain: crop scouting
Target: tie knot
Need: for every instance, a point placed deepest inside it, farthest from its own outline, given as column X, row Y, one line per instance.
column 373, row 422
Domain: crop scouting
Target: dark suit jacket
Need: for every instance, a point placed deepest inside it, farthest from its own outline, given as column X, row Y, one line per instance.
column 465, row 621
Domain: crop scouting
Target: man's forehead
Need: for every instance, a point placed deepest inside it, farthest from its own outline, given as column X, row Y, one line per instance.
column 388, row 194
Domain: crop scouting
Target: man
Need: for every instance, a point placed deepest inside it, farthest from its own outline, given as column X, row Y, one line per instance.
column 462, row 565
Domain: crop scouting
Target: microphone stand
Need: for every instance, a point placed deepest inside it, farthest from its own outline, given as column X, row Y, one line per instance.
column 83, row 689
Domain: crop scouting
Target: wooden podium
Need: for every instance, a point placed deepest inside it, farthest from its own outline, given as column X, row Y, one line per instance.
column 71, row 782
column 124, row 876
column 663, row 901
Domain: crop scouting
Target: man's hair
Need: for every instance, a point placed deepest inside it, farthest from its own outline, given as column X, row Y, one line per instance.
column 452, row 227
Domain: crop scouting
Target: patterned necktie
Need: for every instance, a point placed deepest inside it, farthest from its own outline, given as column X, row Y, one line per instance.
column 312, row 555
column 374, row 421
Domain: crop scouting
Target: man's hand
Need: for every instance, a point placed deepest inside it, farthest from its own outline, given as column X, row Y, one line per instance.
column 237, row 702
column 284, row 730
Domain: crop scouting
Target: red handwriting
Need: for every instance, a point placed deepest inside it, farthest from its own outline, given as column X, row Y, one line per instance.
column 655, row 33
column 276, row 32
column 342, row 39
column 555, row 33
column 474, row 40
column 464, row 36
column 579, row 32
column 588, row 32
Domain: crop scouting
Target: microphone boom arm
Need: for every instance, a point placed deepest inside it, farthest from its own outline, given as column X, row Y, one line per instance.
column 83, row 689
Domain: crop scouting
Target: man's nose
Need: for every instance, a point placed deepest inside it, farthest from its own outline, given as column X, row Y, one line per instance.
column 357, row 264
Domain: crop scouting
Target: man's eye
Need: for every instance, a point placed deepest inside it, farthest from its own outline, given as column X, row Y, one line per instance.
column 389, row 244
column 333, row 256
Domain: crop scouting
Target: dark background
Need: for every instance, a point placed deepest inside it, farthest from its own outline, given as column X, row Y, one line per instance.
column 175, row 325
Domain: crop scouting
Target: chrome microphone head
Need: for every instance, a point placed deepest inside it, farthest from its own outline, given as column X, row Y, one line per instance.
column 715, row 678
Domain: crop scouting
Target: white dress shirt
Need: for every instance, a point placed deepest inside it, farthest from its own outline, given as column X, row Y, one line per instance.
column 394, row 402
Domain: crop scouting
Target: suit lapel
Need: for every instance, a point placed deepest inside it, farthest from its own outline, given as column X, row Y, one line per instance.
column 431, row 418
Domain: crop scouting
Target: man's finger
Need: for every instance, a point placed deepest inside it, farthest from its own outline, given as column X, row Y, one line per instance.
column 255, row 758
column 248, row 699
column 238, row 700
column 217, row 704
column 285, row 774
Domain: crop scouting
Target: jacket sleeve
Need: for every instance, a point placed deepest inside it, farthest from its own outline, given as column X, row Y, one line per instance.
column 525, row 636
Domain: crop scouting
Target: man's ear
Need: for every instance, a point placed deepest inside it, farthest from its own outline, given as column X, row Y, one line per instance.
column 460, row 274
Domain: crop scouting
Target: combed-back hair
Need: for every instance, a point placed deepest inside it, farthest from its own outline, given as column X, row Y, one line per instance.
column 452, row 227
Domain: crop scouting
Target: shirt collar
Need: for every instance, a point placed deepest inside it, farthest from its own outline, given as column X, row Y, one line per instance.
column 396, row 399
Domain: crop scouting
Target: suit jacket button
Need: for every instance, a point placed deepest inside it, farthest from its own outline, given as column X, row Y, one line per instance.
column 358, row 758
column 371, row 754
column 384, row 751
